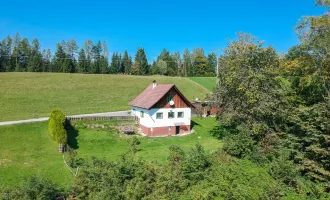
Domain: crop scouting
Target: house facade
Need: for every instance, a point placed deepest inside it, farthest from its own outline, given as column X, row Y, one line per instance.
column 162, row 110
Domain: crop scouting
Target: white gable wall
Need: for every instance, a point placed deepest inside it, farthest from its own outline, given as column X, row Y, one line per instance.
column 149, row 119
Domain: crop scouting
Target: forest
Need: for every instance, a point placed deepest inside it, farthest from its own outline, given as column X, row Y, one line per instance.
column 20, row 55
column 275, row 126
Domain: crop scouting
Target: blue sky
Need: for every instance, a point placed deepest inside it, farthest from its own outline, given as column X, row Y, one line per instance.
column 174, row 25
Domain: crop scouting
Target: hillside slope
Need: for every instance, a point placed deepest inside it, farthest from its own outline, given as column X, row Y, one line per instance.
column 206, row 82
column 30, row 95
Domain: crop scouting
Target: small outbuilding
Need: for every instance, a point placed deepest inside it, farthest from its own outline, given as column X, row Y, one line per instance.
column 162, row 110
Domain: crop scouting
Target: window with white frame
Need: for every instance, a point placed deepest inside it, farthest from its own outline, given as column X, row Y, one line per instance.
column 142, row 114
column 180, row 115
column 159, row 115
column 171, row 115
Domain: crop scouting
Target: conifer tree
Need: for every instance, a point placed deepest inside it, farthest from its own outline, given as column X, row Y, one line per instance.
column 126, row 63
column 82, row 62
column 142, row 61
column 56, row 127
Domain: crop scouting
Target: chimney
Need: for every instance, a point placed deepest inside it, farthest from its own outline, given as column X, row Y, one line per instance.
column 154, row 84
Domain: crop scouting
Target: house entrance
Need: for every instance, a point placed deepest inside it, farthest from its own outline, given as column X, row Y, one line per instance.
column 177, row 130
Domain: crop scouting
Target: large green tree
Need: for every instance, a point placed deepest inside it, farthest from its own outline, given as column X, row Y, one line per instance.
column 141, row 59
column 248, row 89
column 199, row 62
column 187, row 63
column 35, row 58
column 82, row 62
column 126, row 63
column 59, row 59
column 5, row 54
column 115, row 66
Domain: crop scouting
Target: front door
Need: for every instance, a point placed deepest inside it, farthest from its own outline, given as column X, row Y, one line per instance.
column 177, row 129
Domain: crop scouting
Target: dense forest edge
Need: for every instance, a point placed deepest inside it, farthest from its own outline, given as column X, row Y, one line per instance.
column 275, row 128
column 20, row 55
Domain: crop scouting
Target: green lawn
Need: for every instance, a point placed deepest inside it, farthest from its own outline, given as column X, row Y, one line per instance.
column 31, row 95
column 27, row 149
column 207, row 82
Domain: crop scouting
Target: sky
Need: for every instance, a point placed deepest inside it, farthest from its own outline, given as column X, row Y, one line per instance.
column 154, row 25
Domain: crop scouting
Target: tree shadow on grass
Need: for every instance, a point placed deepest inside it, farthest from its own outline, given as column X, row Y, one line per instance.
column 72, row 135
column 193, row 124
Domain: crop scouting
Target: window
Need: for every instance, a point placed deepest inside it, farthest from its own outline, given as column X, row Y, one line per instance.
column 180, row 114
column 169, row 98
column 142, row 114
column 159, row 115
column 171, row 115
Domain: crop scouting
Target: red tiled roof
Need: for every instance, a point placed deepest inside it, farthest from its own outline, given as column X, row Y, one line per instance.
column 149, row 97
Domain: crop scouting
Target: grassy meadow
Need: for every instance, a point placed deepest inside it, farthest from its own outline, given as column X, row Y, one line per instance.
column 32, row 95
column 206, row 82
column 27, row 149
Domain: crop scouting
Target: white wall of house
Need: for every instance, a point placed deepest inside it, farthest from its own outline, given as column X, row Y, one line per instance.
column 150, row 120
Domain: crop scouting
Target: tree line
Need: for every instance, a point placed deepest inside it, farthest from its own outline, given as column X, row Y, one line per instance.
column 20, row 55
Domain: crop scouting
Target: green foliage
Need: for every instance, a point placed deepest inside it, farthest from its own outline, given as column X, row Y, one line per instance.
column 310, row 128
column 239, row 145
column 196, row 163
column 133, row 143
column 142, row 62
column 115, row 66
column 126, row 63
column 34, row 188
column 285, row 171
column 56, row 126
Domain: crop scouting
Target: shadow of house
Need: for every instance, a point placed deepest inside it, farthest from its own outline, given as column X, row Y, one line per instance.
column 72, row 133
column 193, row 124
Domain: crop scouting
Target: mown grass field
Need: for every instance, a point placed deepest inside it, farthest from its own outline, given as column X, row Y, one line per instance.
column 207, row 82
column 32, row 95
column 27, row 149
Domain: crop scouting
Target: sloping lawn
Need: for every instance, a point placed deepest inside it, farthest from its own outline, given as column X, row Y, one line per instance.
column 31, row 95
column 27, row 149
column 207, row 82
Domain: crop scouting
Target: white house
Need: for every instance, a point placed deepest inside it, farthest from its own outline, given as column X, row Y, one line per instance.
column 162, row 110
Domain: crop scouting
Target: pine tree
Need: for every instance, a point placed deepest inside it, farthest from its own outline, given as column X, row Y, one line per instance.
column 96, row 57
column 58, row 60
column 142, row 61
column 211, row 64
column 82, row 62
column 126, row 63
column 115, row 63
column 5, row 52
column 88, row 46
column 104, row 61
column 15, row 54
column 187, row 64
column 34, row 60
column 170, row 62
column 46, row 61
column 22, row 53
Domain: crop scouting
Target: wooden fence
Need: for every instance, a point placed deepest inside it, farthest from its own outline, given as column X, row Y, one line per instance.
column 95, row 118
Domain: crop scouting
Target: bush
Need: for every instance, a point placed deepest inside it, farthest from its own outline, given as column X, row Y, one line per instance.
column 284, row 170
column 239, row 145
column 35, row 188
